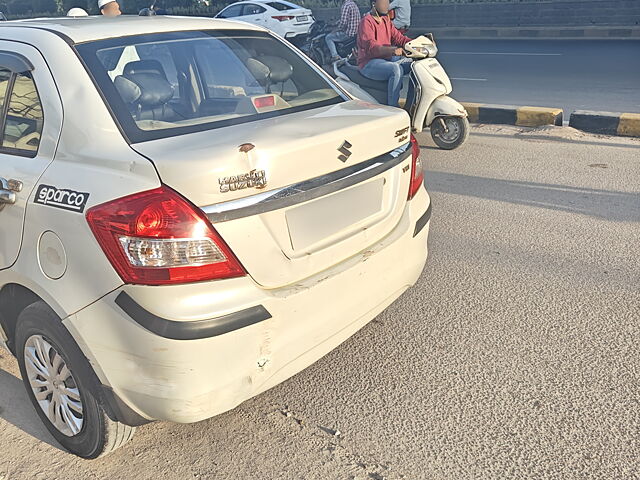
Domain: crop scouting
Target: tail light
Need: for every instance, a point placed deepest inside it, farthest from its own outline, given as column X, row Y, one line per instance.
column 282, row 18
column 157, row 238
column 417, row 171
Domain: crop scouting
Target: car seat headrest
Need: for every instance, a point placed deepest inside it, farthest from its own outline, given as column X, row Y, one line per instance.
column 280, row 70
column 144, row 66
column 268, row 69
column 154, row 89
column 259, row 70
column 128, row 90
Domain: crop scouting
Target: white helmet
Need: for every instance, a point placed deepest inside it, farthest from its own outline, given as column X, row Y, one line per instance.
column 102, row 3
column 77, row 12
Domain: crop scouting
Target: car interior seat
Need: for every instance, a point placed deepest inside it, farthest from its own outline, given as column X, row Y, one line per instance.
column 145, row 88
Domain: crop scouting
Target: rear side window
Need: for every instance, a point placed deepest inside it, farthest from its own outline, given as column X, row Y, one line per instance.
column 279, row 6
column 180, row 82
column 251, row 9
column 22, row 119
column 232, row 11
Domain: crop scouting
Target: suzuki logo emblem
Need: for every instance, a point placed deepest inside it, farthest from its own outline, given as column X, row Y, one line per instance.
column 344, row 150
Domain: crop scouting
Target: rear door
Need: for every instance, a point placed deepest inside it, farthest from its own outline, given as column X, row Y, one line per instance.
column 232, row 11
column 30, row 126
column 255, row 14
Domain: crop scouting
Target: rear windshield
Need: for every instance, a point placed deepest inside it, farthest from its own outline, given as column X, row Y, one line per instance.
column 169, row 84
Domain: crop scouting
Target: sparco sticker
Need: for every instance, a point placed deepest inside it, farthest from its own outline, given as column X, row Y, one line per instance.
column 61, row 198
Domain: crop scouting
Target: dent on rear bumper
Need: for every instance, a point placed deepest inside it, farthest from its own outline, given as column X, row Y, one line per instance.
column 190, row 380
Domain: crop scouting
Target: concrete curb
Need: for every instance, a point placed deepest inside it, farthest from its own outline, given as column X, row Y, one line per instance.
column 513, row 115
column 606, row 123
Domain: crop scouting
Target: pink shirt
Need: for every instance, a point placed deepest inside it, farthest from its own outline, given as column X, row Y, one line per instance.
column 373, row 34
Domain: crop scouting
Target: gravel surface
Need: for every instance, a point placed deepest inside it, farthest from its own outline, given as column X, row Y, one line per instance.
column 516, row 356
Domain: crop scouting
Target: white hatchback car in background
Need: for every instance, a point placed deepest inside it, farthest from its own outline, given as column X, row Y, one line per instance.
column 190, row 213
column 280, row 16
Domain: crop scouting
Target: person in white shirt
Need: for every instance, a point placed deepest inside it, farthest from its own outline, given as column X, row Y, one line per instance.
column 109, row 8
column 402, row 18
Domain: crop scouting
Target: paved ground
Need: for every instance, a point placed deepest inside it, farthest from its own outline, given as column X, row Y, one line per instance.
column 572, row 74
column 516, row 356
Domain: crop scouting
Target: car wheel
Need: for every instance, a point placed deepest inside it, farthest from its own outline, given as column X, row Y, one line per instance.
column 450, row 132
column 61, row 386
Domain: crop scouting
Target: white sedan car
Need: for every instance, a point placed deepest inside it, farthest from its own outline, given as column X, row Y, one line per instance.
column 284, row 18
column 190, row 213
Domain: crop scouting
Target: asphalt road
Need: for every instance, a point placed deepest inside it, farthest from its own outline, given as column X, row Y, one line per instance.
column 599, row 75
column 516, row 355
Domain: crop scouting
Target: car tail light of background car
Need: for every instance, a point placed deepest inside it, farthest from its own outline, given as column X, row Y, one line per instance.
column 283, row 18
column 417, row 171
column 157, row 238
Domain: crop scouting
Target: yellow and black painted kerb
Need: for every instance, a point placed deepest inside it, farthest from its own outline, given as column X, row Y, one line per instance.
column 512, row 115
column 606, row 123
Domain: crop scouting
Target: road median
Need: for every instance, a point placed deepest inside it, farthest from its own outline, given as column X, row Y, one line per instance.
column 606, row 123
column 514, row 115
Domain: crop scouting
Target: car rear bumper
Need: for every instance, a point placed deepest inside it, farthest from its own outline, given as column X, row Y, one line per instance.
column 294, row 30
column 171, row 370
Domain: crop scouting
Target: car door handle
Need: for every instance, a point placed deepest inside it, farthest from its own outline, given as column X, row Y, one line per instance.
column 8, row 190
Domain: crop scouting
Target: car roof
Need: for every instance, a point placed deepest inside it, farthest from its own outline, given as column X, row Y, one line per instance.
column 87, row 29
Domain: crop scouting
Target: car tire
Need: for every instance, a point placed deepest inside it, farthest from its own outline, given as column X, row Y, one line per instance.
column 456, row 134
column 54, row 368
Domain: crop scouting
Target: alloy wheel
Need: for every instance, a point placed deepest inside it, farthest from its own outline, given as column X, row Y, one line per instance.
column 53, row 386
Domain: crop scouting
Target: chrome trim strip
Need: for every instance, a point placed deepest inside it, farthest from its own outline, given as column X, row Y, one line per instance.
column 307, row 190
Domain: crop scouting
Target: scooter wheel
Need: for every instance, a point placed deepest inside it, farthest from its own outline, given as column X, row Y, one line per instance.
column 450, row 132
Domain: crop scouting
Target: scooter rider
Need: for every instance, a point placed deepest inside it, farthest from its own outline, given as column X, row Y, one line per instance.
column 347, row 27
column 380, row 50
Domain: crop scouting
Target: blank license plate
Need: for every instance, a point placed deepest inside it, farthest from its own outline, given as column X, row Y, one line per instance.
column 302, row 18
column 327, row 216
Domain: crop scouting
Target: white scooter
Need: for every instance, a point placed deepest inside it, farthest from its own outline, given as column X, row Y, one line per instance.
column 430, row 106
